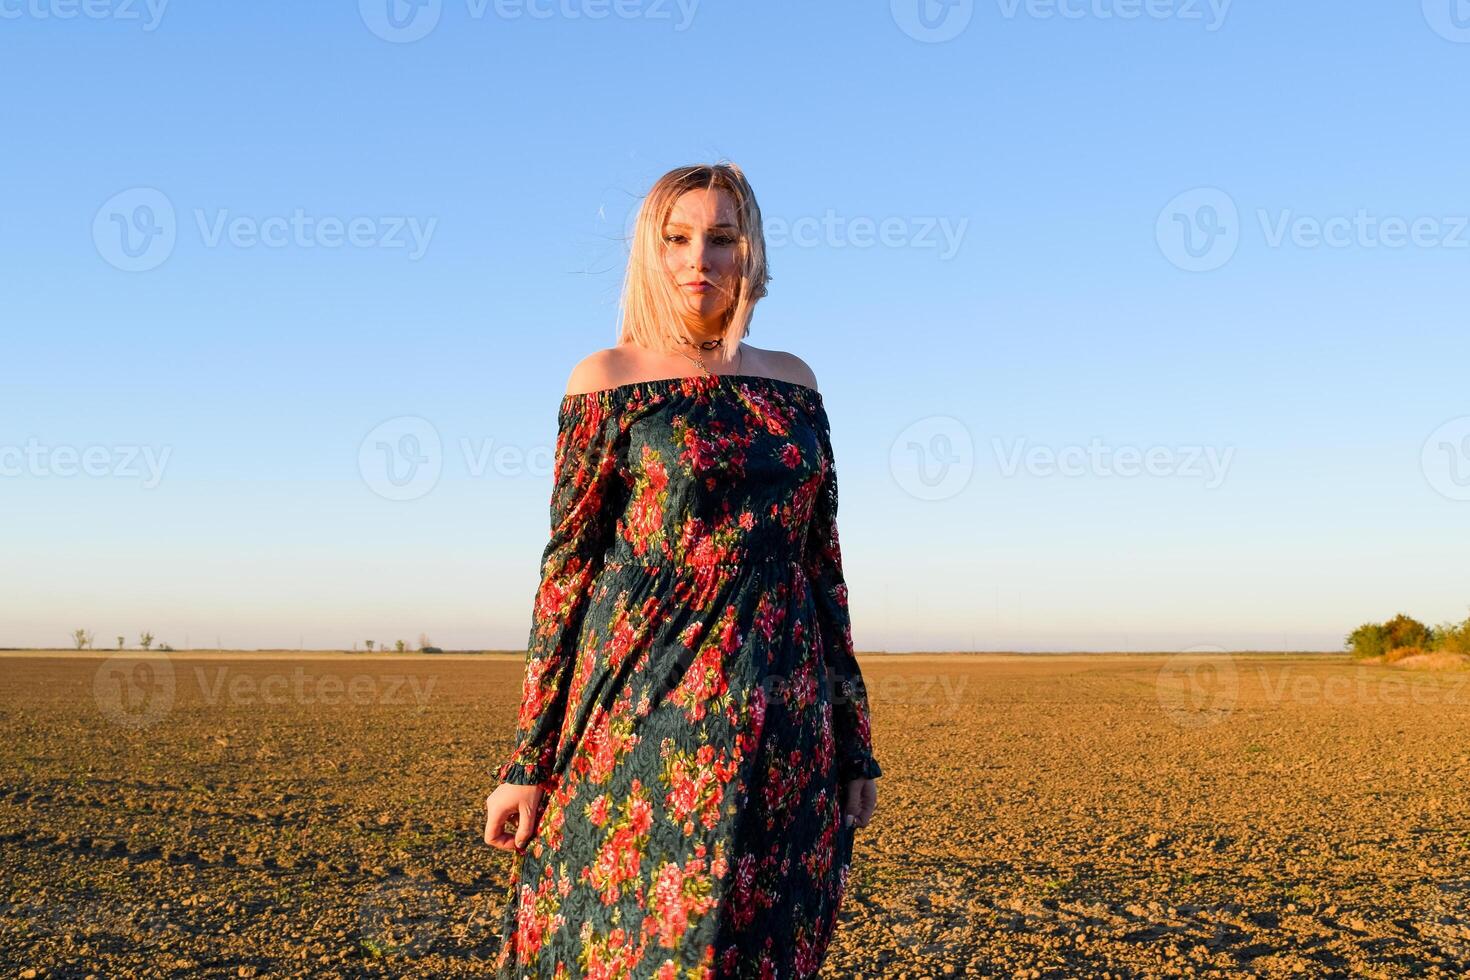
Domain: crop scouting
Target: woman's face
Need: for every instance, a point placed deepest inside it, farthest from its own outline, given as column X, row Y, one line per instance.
column 701, row 242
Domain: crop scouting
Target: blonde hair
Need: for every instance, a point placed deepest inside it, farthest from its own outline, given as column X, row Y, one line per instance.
column 651, row 310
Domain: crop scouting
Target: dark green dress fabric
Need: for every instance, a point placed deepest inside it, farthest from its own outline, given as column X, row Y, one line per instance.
column 691, row 702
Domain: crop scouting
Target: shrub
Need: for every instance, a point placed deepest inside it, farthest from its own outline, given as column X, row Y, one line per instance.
column 1368, row 640
column 1376, row 639
column 1404, row 631
column 1453, row 637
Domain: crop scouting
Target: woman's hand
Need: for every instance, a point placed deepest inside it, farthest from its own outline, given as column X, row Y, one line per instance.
column 520, row 805
column 860, row 797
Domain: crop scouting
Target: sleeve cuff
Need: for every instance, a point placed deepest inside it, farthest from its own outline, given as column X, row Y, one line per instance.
column 863, row 768
column 520, row 775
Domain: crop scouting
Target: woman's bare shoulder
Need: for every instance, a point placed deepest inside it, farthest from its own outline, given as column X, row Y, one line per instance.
column 625, row 363
column 779, row 364
column 600, row 369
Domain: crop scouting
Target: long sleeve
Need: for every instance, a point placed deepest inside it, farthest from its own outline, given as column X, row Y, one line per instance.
column 583, row 477
column 822, row 558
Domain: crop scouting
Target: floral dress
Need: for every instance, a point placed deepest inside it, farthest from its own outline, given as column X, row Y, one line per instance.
column 691, row 703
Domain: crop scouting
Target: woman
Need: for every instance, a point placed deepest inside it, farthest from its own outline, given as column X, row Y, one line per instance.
column 692, row 754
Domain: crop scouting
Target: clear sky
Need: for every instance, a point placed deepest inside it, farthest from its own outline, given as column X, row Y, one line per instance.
column 1141, row 325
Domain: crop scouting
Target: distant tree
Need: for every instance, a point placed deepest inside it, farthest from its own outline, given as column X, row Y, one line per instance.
column 165, row 648
column 424, row 642
column 82, row 638
column 145, row 640
column 1404, row 631
column 119, row 643
column 1368, row 640
column 1453, row 637
column 369, row 644
column 399, row 646
column 1402, row 636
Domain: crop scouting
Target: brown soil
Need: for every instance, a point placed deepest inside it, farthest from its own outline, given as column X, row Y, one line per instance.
column 1050, row 816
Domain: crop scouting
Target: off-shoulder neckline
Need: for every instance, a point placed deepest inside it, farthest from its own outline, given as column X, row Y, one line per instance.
column 700, row 378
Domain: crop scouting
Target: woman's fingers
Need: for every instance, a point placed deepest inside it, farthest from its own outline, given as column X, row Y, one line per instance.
column 526, row 826
column 495, row 832
column 869, row 802
column 860, row 799
column 517, row 808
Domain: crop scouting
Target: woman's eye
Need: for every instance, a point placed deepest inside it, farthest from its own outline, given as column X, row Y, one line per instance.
column 723, row 240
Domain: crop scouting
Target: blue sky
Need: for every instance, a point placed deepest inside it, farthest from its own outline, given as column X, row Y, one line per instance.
column 1140, row 325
